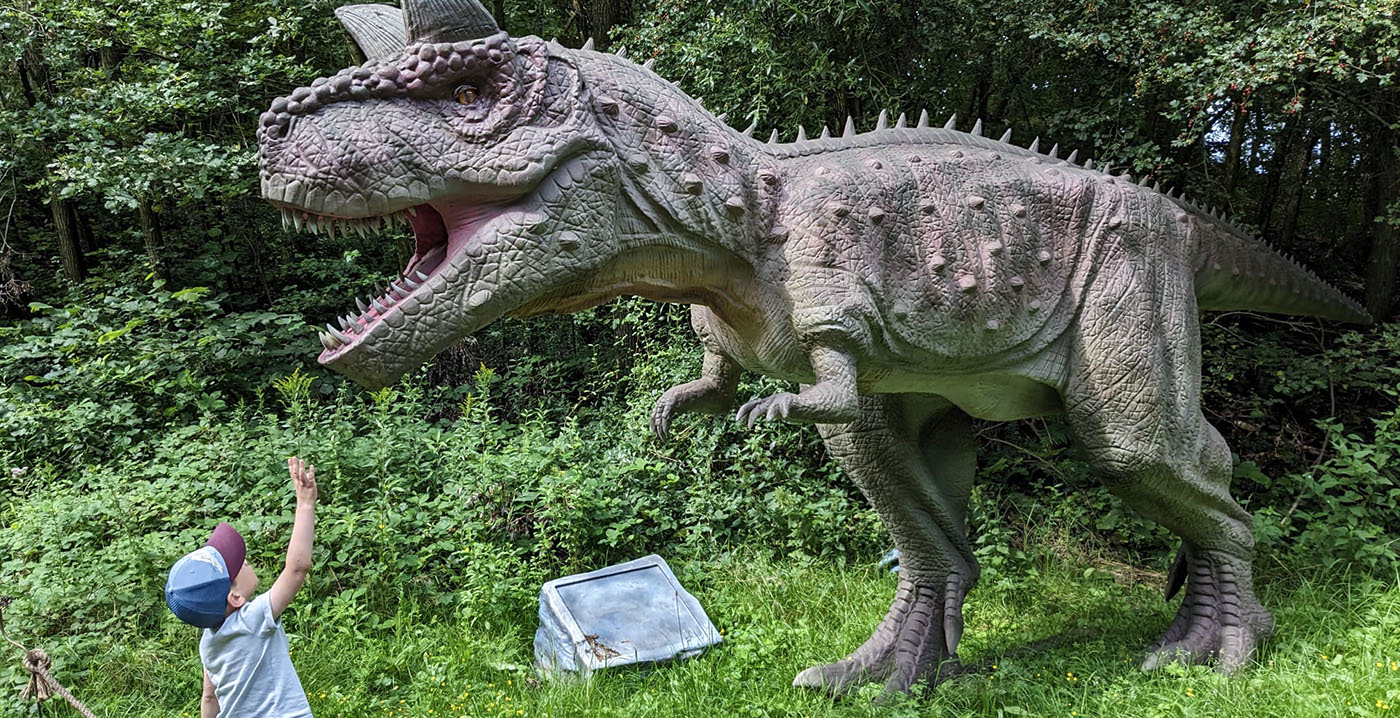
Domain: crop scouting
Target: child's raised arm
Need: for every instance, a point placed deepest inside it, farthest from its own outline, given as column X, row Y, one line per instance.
column 299, row 550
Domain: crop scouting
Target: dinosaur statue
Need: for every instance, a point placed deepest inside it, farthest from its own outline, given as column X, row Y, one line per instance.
column 908, row 279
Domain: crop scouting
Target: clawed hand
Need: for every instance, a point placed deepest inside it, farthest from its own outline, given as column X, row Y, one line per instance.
column 777, row 406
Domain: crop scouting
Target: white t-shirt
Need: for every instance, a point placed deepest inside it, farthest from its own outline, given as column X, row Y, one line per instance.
column 247, row 661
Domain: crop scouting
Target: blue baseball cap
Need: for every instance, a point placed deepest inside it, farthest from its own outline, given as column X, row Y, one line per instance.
column 197, row 590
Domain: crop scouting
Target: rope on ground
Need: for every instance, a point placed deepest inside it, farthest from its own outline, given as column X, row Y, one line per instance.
column 42, row 685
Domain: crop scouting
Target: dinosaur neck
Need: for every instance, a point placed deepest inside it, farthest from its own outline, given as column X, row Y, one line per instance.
column 696, row 207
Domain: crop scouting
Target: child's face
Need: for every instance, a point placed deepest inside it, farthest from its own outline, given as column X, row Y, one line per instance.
column 245, row 584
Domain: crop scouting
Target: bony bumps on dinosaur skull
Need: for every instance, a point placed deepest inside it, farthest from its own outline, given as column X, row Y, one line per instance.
column 912, row 278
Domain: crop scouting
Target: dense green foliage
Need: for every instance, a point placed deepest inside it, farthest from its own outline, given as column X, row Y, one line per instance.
column 157, row 341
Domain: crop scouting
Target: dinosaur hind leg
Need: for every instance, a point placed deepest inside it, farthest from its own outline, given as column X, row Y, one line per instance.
column 1138, row 418
column 913, row 457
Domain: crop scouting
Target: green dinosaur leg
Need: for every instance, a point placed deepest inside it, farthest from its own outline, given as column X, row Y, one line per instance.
column 1135, row 409
column 712, row 393
column 914, row 458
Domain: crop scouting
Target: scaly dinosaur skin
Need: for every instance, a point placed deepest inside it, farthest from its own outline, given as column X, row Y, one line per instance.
column 909, row 279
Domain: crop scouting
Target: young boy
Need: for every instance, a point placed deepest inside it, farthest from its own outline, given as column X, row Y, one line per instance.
column 247, row 669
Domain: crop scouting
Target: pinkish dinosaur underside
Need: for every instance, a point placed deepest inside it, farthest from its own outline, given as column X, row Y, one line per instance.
column 909, row 278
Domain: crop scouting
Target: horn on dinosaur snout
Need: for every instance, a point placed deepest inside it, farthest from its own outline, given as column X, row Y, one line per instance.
column 447, row 20
column 377, row 29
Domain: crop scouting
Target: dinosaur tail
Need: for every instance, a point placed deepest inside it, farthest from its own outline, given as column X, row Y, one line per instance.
column 1235, row 271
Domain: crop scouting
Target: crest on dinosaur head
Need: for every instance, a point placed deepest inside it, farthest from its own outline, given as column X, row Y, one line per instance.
column 466, row 134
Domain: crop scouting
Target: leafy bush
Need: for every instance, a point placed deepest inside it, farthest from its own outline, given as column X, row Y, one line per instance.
column 95, row 378
column 468, row 514
column 1344, row 510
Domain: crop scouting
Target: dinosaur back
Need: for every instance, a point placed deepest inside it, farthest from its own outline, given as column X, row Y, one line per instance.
column 967, row 254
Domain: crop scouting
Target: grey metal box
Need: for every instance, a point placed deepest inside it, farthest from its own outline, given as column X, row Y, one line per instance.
column 634, row 612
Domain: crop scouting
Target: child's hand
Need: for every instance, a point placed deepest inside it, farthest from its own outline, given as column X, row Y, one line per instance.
column 304, row 479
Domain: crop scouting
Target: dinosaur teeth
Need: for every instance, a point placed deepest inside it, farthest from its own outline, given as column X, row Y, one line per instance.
column 377, row 306
column 328, row 342
column 338, row 336
column 361, row 304
column 421, row 276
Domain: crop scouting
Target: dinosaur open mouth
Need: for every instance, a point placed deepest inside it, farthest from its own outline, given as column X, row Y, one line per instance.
column 440, row 233
column 454, row 236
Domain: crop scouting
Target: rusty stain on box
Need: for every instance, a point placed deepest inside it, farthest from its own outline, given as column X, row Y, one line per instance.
column 631, row 613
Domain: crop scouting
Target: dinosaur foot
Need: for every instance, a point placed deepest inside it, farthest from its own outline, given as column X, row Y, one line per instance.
column 1219, row 620
column 914, row 641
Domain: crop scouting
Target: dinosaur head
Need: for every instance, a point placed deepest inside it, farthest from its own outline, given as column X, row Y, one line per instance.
column 469, row 136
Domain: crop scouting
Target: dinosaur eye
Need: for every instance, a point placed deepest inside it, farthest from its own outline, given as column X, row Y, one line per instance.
column 466, row 94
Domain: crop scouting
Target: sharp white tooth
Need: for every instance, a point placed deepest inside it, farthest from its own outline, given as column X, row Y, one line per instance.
column 377, row 306
column 328, row 342
column 361, row 304
column 296, row 221
column 345, row 322
column 379, row 289
column 412, row 211
column 330, row 228
column 336, row 333
column 412, row 285
column 421, row 276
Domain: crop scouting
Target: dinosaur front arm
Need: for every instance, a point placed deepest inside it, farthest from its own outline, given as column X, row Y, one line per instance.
column 833, row 399
column 712, row 393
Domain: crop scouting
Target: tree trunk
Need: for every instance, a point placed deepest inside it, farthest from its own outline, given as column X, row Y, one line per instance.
column 498, row 11
column 1273, row 174
column 1233, row 151
column 594, row 20
column 70, row 250
column 1295, row 175
column 39, row 88
column 151, row 237
column 1385, row 239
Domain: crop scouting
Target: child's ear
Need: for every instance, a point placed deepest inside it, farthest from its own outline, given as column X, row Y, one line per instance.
column 236, row 600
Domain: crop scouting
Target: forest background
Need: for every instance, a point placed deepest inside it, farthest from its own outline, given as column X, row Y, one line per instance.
column 158, row 326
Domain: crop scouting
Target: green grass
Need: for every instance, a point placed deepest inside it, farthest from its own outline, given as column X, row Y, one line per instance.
column 1051, row 637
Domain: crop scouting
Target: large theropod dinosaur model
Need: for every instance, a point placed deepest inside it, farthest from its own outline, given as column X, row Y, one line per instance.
column 909, row 278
